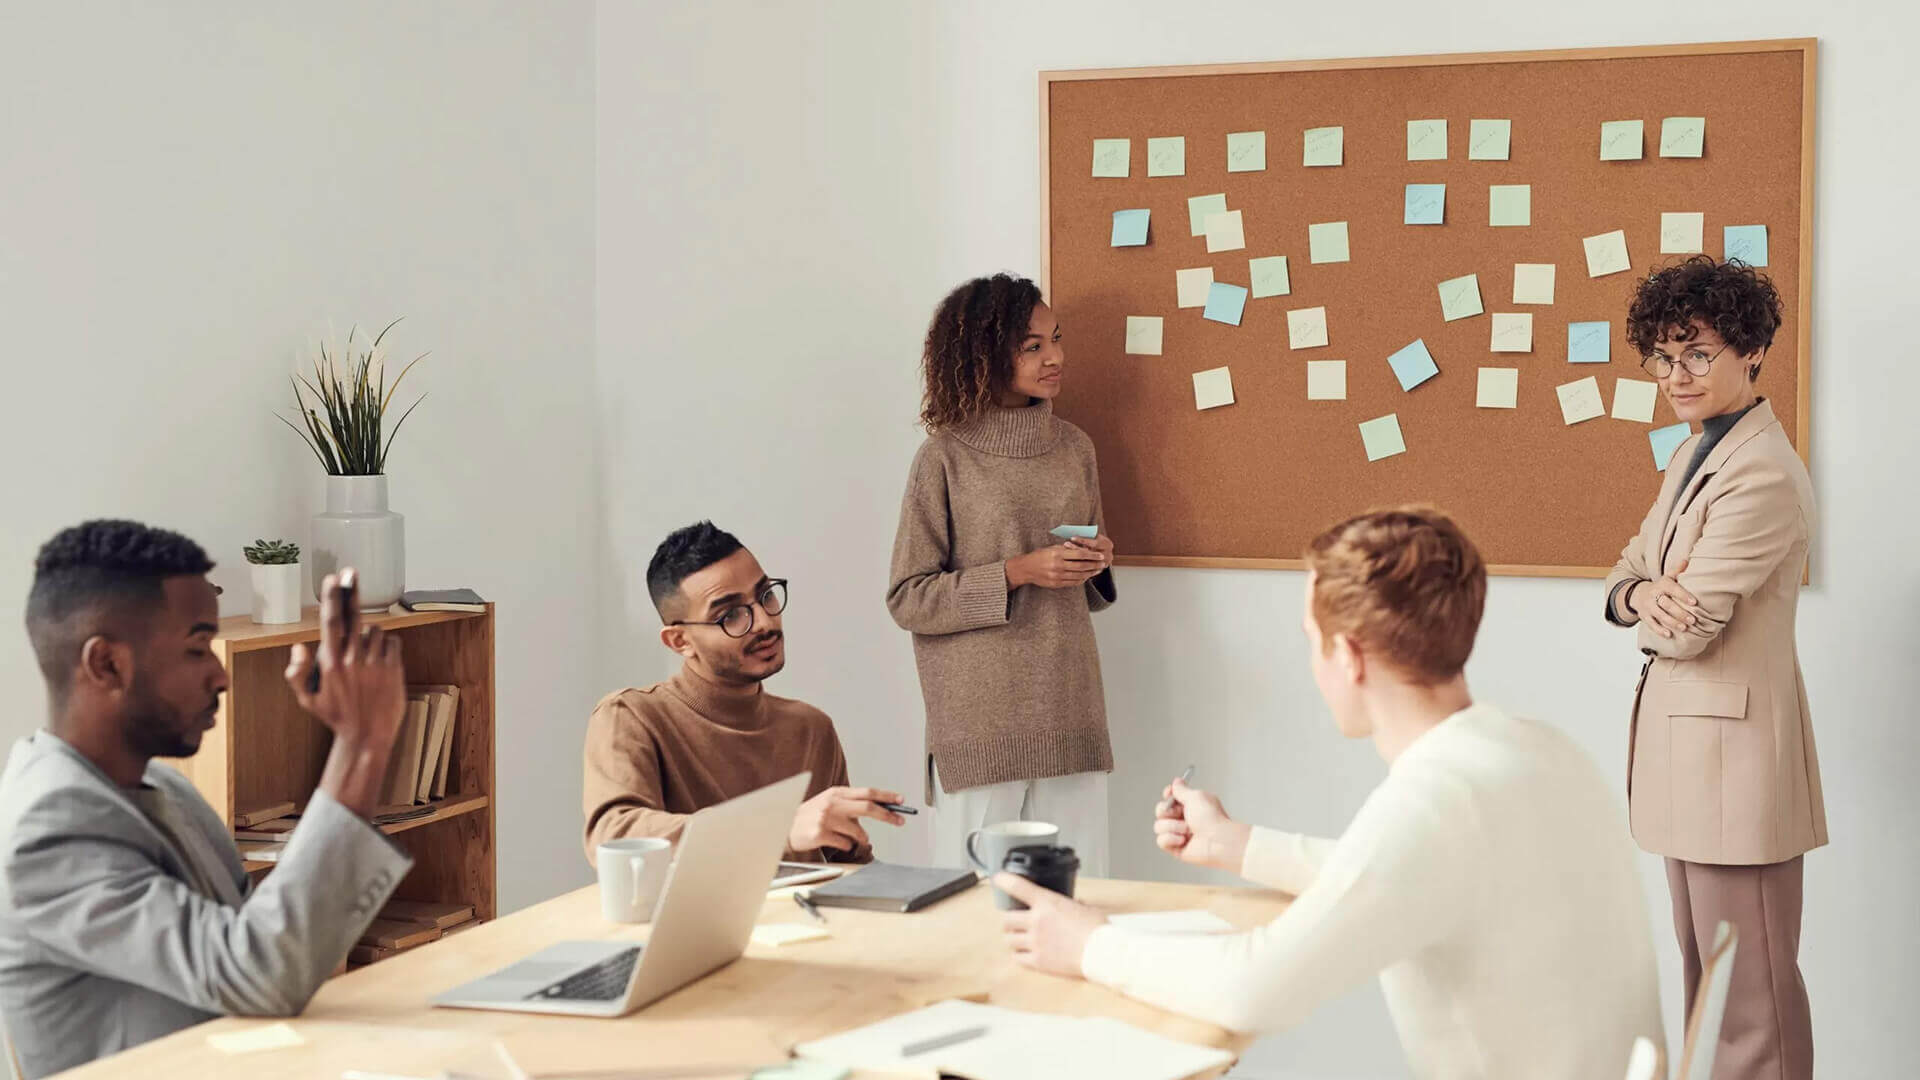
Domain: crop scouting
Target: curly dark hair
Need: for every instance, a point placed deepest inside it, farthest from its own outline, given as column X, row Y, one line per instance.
column 685, row 552
column 113, row 568
column 1737, row 301
column 971, row 343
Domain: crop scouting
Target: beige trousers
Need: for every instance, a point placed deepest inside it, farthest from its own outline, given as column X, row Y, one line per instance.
column 1768, row 1031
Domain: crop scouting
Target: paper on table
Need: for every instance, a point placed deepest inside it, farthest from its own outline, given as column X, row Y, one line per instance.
column 1413, row 365
column 1327, row 242
column 1194, row 921
column 1533, row 283
column 1167, row 156
column 1589, row 343
column 1307, row 328
column 1426, row 204
column 1426, row 140
column 1460, row 297
column 1144, row 333
column 1225, row 232
column 1512, row 331
column 1682, row 234
column 1269, row 276
column 1323, row 146
column 1607, row 253
column 1192, row 285
column 1112, row 157
column 1620, row 140
column 1247, row 151
column 1580, row 400
column 1489, row 140
column 1212, row 388
column 1499, row 388
column 1683, row 136
column 1326, row 380
column 1225, row 303
column 1748, row 243
column 802, row 1070
column 1130, row 228
column 266, row 1037
column 1665, row 441
column 1199, row 207
column 773, row 935
column 1633, row 400
column 1509, row 204
column 1381, row 437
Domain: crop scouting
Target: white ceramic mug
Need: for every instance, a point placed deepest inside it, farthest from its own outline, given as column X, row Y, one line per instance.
column 632, row 872
column 987, row 848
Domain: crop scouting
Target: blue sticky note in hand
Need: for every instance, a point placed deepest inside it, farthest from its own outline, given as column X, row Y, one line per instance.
column 1413, row 365
column 1589, row 343
column 1748, row 243
column 1665, row 441
column 1130, row 228
column 1225, row 303
column 1069, row 532
column 1426, row 204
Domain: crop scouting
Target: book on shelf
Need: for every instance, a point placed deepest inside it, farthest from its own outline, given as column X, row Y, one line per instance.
column 403, row 768
column 275, row 831
column 443, row 703
column 252, row 851
column 394, row 934
column 439, row 600
column 426, row 913
column 246, row 819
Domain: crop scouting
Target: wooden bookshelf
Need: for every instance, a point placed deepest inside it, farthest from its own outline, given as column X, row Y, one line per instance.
column 264, row 749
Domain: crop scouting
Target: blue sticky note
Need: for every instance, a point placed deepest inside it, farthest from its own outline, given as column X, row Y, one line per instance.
column 1130, row 227
column 1589, row 343
column 1413, row 365
column 1748, row 243
column 1225, row 303
column 1426, row 204
column 1068, row 532
column 1665, row 441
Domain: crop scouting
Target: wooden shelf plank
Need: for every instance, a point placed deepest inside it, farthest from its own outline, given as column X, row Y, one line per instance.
column 451, row 807
column 241, row 634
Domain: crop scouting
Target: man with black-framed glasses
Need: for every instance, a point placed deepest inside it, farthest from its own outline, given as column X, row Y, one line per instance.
column 656, row 755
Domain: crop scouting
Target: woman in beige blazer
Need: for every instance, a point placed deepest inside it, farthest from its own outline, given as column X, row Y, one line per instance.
column 1722, row 778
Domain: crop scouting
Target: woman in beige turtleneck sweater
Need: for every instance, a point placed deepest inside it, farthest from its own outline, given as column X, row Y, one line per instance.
column 999, row 609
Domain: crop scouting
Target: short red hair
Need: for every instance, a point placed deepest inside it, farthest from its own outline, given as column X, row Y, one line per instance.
column 1405, row 584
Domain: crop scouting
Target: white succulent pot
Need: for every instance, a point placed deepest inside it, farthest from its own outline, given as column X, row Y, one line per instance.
column 359, row 531
column 276, row 592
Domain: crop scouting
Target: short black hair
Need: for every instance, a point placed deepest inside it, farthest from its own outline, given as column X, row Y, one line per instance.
column 1737, row 301
column 685, row 552
column 114, row 568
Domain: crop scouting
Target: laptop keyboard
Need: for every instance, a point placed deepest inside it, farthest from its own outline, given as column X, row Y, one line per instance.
column 603, row 981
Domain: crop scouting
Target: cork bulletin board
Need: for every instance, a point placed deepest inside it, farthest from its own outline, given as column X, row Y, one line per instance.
column 1247, row 484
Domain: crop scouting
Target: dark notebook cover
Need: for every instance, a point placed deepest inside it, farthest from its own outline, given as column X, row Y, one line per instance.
column 890, row 887
column 441, row 599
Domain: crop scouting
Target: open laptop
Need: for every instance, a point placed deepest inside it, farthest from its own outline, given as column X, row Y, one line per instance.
column 706, row 912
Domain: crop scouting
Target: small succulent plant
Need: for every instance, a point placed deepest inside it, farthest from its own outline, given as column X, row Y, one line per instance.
column 272, row 552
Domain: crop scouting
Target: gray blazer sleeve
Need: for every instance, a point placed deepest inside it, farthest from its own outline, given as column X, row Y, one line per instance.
column 99, row 903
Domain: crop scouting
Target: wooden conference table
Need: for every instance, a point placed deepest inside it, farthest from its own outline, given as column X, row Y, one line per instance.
column 875, row 965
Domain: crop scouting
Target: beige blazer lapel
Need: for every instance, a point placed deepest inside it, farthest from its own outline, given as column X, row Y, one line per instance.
column 1757, row 419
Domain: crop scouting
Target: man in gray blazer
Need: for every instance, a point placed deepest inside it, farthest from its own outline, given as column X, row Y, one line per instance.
column 124, row 912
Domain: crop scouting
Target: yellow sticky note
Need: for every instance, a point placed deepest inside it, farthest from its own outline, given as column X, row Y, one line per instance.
column 1269, row 276
column 1509, row 204
column 1633, row 399
column 1111, row 157
column 1307, row 328
column 1200, row 207
column 1323, row 146
column 774, row 935
column 1682, row 234
column 1212, row 388
column 1247, row 151
column 269, row 1037
column 1167, row 156
column 1381, row 437
column 1580, row 400
column 1225, row 232
column 1489, row 140
column 1193, row 285
column 1326, row 380
column 1683, row 136
column 1499, row 388
column 1460, row 297
column 1144, row 334
column 1620, row 140
column 1327, row 242
column 1512, row 332
column 1533, row 283
column 1426, row 140
column 1607, row 253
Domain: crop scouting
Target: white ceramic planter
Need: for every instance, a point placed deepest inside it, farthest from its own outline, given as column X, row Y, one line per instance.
column 276, row 592
column 358, row 530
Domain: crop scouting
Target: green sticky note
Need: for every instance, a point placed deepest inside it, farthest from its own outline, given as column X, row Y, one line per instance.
column 1111, row 157
column 1426, row 140
column 1620, row 140
column 1247, row 151
column 1509, row 204
column 1460, row 297
column 1381, row 437
column 1269, row 276
column 1200, row 207
column 1327, row 242
column 1683, row 136
column 1167, row 156
column 1323, row 146
column 1489, row 140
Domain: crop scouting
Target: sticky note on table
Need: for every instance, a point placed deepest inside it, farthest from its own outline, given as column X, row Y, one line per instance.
column 1509, row 204
column 1683, row 136
column 1327, row 242
column 1621, row 140
column 1499, row 388
column 1307, row 328
column 1580, row 400
column 1665, row 441
column 1426, row 204
column 1533, row 283
column 1426, row 140
column 1489, row 140
column 1247, row 151
column 1225, row 303
column 773, row 935
column 1633, row 400
column 1191, row 285
column 1748, row 243
column 1212, row 388
column 1269, row 276
column 1111, row 157
column 1413, row 365
column 1171, row 922
column 1460, row 297
column 1512, row 331
column 1381, row 437
column 1144, row 334
column 1225, row 232
column 267, row 1037
column 1167, row 156
column 1323, row 146
column 1130, row 227
column 1326, row 380
column 1607, row 253
column 1589, row 343
column 1200, row 207
column 1681, row 234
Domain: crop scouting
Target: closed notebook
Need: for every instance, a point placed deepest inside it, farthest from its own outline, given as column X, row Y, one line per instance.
column 883, row 886
column 441, row 600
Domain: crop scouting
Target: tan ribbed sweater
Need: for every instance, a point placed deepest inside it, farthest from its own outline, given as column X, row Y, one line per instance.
column 656, row 755
column 1011, row 679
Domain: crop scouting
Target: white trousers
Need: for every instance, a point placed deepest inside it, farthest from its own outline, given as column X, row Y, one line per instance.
column 1077, row 804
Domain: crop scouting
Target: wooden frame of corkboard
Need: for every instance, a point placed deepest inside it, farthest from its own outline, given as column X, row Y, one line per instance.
column 1246, row 485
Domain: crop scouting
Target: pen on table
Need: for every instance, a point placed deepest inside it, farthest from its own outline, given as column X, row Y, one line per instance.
column 898, row 808
column 807, row 905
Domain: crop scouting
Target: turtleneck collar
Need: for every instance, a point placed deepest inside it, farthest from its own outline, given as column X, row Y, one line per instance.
column 1027, row 431
column 743, row 708
column 1716, row 427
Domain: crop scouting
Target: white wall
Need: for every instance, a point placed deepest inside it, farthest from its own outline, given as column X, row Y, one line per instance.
column 190, row 192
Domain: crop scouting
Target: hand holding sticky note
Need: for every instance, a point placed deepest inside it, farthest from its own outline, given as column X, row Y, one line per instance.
column 1070, row 532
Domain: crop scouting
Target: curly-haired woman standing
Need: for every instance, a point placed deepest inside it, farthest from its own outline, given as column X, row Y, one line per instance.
column 1722, row 777
column 999, row 609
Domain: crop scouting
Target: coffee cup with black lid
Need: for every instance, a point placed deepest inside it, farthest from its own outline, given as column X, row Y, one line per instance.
column 1050, row 866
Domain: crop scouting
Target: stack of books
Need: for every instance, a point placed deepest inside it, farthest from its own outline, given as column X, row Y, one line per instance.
column 407, row 924
column 423, row 754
